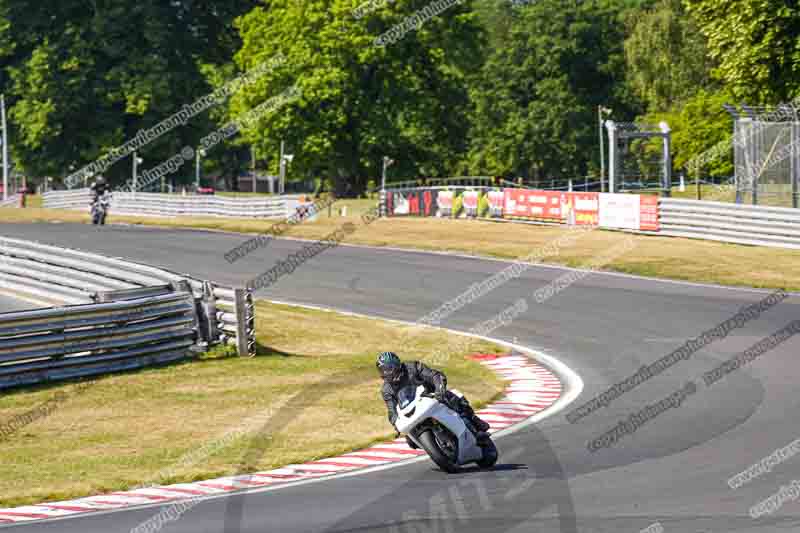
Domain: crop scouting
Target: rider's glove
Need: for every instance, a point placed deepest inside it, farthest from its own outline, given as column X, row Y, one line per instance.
column 439, row 394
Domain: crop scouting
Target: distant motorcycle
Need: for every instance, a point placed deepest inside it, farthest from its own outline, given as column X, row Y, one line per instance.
column 100, row 209
column 441, row 432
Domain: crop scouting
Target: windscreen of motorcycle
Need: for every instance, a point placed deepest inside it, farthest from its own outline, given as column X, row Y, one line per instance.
column 406, row 395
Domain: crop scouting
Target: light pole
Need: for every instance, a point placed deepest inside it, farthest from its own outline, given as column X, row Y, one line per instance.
column 5, row 145
column 199, row 153
column 387, row 162
column 600, row 112
column 136, row 161
column 285, row 158
column 253, row 160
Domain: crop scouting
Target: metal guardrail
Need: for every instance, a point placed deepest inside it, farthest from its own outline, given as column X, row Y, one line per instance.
column 62, row 276
column 112, row 302
column 235, row 312
column 65, row 342
column 734, row 223
column 172, row 205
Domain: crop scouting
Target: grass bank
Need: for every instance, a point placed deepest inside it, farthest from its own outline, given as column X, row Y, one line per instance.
column 174, row 424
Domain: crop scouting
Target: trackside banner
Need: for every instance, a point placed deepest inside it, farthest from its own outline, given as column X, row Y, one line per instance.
column 496, row 201
column 607, row 210
column 579, row 208
column 470, row 204
column 445, row 201
column 648, row 213
column 629, row 211
column 413, row 203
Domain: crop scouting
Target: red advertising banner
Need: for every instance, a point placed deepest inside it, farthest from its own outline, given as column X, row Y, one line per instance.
column 648, row 218
column 581, row 208
column 514, row 205
column 525, row 203
column 413, row 203
column 569, row 207
column 545, row 205
column 428, row 203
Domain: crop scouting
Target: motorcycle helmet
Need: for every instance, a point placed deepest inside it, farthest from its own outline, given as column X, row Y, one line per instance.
column 389, row 366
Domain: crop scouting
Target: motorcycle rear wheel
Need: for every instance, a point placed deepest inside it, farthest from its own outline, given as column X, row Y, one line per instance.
column 429, row 444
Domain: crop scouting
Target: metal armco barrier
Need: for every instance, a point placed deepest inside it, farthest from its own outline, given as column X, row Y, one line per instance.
column 734, row 223
column 173, row 205
column 235, row 312
column 65, row 342
column 98, row 287
column 56, row 275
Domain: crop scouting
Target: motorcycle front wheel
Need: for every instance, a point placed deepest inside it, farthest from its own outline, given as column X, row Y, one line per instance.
column 429, row 444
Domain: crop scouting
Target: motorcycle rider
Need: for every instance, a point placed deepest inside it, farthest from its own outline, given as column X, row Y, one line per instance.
column 397, row 375
column 99, row 188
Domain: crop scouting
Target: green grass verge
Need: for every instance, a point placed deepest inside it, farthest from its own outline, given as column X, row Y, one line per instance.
column 137, row 428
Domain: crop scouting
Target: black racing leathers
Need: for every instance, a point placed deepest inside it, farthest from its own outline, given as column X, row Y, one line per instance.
column 98, row 189
column 417, row 373
column 414, row 373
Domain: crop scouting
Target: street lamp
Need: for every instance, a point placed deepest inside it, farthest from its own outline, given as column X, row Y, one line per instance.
column 286, row 158
column 601, row 111
column 387, row 162
column 199, row 153
column 253, row 161
column 136, row 161
column 5, row 144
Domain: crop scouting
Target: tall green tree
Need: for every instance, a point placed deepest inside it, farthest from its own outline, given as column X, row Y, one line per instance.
column 535, row 106
column 757, row 44
column 666, row 56
column 84, row 77
column 360, row 101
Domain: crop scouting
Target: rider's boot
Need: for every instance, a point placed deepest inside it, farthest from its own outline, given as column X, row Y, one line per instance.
column 480, row 425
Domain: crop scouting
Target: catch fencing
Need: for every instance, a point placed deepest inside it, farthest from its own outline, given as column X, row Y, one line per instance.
column 767, row 154
column 734, row 223
column 109, row 314
column 173, row 205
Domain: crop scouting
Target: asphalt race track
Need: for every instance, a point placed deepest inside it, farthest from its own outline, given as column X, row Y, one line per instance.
column 673, row 470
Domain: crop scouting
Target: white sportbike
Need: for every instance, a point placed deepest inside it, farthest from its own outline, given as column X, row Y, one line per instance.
column 99, row 209
column 440, row 431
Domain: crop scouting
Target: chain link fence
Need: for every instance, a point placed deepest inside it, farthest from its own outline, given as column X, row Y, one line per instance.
column 766, row 155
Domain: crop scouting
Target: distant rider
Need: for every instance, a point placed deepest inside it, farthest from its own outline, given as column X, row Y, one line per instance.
column 99, row 188
column 396, row 375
